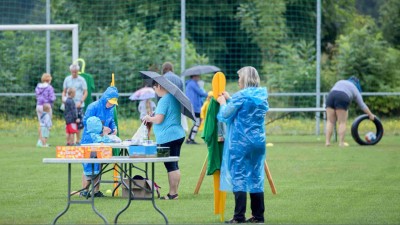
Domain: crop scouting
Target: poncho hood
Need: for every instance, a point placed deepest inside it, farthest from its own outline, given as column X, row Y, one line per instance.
column 111, row 92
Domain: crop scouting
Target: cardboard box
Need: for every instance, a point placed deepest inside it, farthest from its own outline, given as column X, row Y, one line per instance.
column 142, row 151
column 142, row 189
column 78, row 152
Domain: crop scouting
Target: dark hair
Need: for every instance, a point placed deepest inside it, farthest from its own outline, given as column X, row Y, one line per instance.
column 166, row 67
column 154, row 83
column 356, row 82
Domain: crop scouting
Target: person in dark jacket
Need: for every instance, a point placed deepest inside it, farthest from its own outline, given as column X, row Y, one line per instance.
column 71, row 117
column 196, row 96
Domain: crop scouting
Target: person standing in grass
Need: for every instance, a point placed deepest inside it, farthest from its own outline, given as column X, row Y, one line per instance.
column 169, row 133
column 71, row 117
column 45, row 124
column 337, row 104
column 242, row 167
column 196, row 96
column 79, row 83
column 44, row 95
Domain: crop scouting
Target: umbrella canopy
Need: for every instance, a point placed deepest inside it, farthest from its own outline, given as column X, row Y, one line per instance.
column 186, row 105
column 143, row 94
column 200, row 69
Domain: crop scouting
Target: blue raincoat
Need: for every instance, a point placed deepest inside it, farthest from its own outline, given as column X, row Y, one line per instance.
column 242, row 167
column 92, row 129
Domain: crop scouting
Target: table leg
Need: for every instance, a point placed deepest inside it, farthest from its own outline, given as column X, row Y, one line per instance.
column 92, row 196
column 69, row 201
column 152, row 194
column 129, row 196
column 68, row 194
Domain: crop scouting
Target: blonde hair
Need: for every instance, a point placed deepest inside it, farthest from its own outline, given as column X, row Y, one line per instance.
column 250, row 77
column 71, row 91
column 46, row 107
column 46, row 77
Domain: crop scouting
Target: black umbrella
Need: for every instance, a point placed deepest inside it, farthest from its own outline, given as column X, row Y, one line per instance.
column 186, row 105
column 200, row 69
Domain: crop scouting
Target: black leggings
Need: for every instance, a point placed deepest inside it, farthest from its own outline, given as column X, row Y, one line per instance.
column 174, row 150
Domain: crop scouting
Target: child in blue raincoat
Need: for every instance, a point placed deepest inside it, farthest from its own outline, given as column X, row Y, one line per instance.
column 96, row 130
column 242, row 167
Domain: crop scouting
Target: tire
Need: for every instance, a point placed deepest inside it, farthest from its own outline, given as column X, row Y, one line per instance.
column 356, row 135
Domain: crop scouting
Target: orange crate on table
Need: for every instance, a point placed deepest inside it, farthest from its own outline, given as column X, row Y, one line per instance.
column 70, row 152
column 101, row 151
column 78, row 152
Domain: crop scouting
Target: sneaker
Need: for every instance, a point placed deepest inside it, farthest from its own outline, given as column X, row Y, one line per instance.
column 254, row 220
column 84, row 194
column 46, row 145
column 99, row 194
column 235, row 221
column 39, row 143
column 191, row 142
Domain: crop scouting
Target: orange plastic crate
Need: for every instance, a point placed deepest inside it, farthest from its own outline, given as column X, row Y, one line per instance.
column 70, row 152
column 78, row 152
column 101, row 151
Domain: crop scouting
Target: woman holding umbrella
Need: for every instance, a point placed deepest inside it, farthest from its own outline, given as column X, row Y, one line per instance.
column 169, row 133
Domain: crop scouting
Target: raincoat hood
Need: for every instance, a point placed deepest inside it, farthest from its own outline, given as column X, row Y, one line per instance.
column 44, row 93
column 111, row 92
column 255, row 94
column 42, row 85
column 94, row 125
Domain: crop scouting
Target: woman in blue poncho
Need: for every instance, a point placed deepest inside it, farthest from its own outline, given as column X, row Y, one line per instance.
column 242, row 168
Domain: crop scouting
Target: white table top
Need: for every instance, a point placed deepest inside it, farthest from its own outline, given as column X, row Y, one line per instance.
column 114, row 159
column 113, row 145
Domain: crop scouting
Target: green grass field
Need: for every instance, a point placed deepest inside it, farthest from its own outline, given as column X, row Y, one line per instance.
column 315, row 184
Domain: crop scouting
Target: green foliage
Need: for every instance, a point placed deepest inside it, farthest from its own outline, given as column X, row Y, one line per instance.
column 294, row 78
column 265, row 23
column 130, row 50
column 364, row 53
column 390, row 21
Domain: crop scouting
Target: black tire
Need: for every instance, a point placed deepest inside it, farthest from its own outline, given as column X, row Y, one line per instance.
column 356, row 135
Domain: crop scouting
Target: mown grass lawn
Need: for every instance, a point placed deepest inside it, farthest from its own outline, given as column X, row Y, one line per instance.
column 315, row 184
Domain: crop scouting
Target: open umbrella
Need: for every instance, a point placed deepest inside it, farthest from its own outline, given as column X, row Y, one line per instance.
column 186, row 105
column 200, row 69
column 143, row 94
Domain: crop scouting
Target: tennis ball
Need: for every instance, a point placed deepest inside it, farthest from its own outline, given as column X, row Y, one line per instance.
column 108, row 191
column 270, row 145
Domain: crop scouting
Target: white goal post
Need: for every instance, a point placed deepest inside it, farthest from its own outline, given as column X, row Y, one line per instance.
column 39, row 27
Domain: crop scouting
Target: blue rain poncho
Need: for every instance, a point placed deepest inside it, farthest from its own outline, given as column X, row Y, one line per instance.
column 94, row 127
column 99, row 109
column 242, row 167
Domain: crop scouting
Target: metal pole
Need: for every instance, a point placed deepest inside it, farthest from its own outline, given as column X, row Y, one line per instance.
column 48, row 37
column 183, row 33
column 318, row 72
column 75, row 44
column 72, row 27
